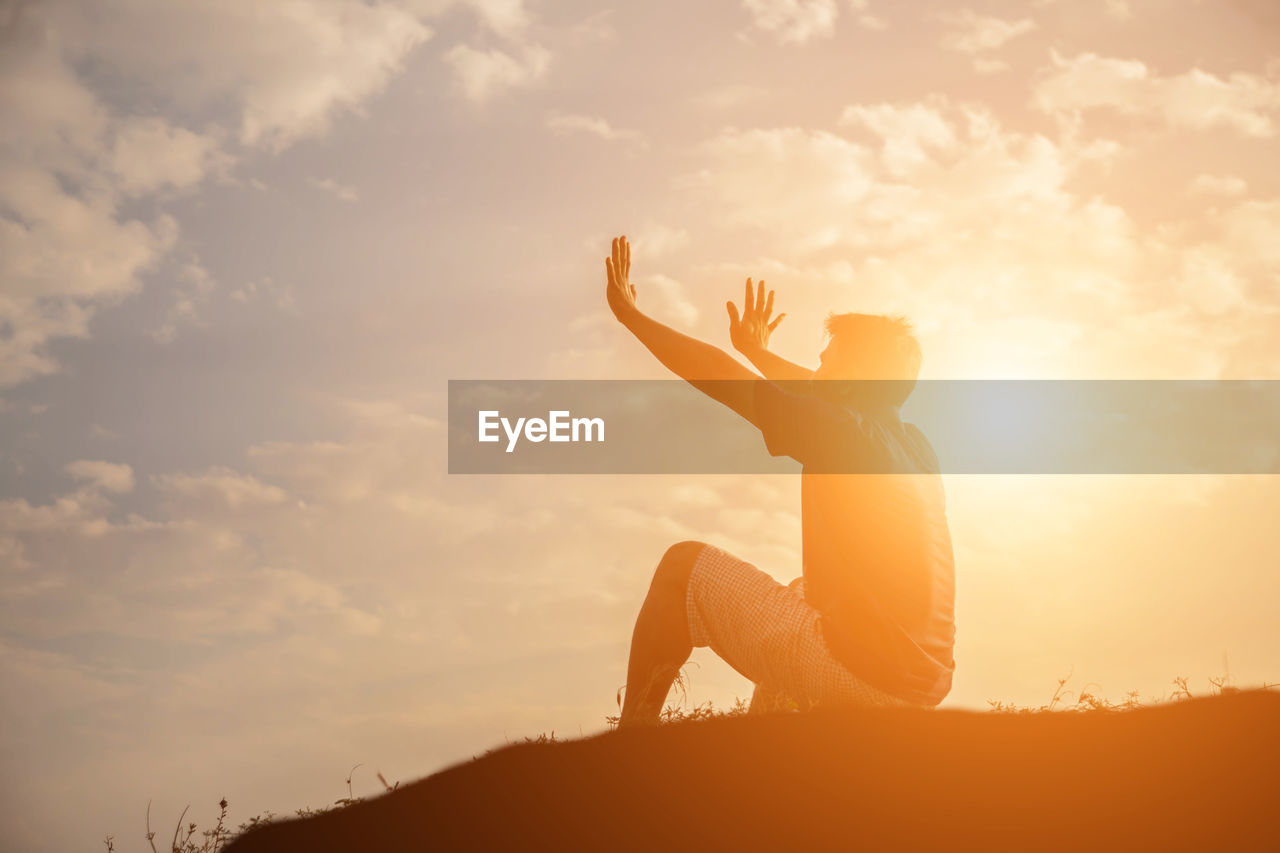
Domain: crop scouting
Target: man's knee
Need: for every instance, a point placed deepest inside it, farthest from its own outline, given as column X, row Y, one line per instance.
column 672, row 574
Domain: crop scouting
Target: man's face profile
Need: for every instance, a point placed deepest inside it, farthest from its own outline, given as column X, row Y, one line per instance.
column 837, row 361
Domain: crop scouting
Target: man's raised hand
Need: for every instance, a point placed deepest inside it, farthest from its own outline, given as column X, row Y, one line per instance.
column 620, row 292
column 750, row 332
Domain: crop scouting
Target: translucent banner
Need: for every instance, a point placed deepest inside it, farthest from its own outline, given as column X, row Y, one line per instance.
column 975, row 426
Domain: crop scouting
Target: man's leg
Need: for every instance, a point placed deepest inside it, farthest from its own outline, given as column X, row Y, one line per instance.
column 767, row 699
column 660, row 644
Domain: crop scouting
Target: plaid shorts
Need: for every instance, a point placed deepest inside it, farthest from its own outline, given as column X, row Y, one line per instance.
column 771, row 635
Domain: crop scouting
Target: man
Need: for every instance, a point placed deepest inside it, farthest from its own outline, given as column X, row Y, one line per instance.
column 871, row 621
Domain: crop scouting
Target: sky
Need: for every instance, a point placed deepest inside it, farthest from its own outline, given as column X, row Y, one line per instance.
column 243, row 247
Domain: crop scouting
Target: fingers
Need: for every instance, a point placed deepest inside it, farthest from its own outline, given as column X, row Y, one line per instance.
column 621, row 257
column 734, row 319
column 776, row 321
column 617, row 266
column 768, row 306
column 760, row 297
column 749, row 304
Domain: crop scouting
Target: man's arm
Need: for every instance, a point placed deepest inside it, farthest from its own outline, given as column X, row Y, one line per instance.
column 750, row 336
column 709, row 369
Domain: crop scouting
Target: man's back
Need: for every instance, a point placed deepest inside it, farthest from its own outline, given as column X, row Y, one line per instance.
column 878, row 561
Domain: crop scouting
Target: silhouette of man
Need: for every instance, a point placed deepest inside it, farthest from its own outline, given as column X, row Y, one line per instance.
column 871, row 619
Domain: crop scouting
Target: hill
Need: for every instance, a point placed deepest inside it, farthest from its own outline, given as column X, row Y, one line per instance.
column 1197, row 774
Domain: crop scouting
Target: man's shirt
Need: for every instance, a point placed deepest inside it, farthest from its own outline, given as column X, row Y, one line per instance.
column 878, row 563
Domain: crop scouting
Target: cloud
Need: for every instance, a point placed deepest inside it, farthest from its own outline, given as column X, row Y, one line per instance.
column 653, row 241
column 222, row 487
column 566, row 124
column 109, row 476
column 862, row 13
column 1225, row 185
column 927, row 162
column 728, row 96
column 1195, row 100
column 1120, row 10
column 486, row 74
column 596, row 27
column 673, row 305
column 337, row 190
column 82, row 513
column 906, row 132
column 63, row 248
column 1231, row 269
column 794, row 21
column 937, row 210
column 230, row 553
column 287, row 595
column 974, row 33
column 507, row 18
column 149, row 154
column 192, row 291
column 61, row 257
column 281, row 70
column 72, row 155
column 192, row 572
column 397, row 416
column 977, row 35
column 783, row 179
column 265, row 288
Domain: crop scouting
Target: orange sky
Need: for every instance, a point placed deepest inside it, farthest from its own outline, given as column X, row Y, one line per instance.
column 244, row 246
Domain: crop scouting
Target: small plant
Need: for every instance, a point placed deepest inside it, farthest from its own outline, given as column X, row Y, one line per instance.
column 1088, row 701
column 184, row 837
column 681, row 711
column 215, row 839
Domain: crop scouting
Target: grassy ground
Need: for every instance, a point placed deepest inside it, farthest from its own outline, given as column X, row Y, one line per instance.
column 187, row 837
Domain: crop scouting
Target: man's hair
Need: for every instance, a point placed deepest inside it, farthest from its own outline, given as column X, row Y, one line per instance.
column 883, row 347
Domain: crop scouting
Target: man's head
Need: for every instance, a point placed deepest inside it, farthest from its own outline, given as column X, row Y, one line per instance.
column 872, row 346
